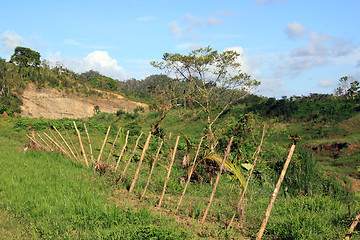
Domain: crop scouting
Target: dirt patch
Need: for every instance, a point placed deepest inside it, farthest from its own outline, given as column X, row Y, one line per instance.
column 53, row 104
column 333, row 148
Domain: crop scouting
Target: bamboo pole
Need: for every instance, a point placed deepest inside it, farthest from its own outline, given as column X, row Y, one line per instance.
column 352, row 226
column 140, row 162
column 56, row 144
column 113, row 146
column 248, row 180
column 71, row 151
column 45, row 142
column 91, row 152
column 152, row 169
column 103, row 145
column 122, row 151
column 189, row 176
column 81, row 145
column 36, row 142
column 169, row 171
column 72, row 143
column 133, row 153
column 276, row 190
column 62, row 147
column 227, row 153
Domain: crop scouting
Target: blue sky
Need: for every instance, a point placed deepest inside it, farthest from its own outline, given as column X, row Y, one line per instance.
column 294, row 47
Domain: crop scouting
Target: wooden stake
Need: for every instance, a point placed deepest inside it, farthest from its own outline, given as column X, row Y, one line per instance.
column 59, row 143
column 36, row 142
column 113, row 146
column 122, row 150
column 352, row 226
column 133, row 153
column 103, row 145
column 169, row 171
column 81, row 145
column 152, row 169
column 227, row 153
column 248, row 180
column 91, row 152
column 276, row 190
column 65, row 143
column 45, row 142
column 189, row 176
column 56, row 144
column 140, row 162
column 72, row 143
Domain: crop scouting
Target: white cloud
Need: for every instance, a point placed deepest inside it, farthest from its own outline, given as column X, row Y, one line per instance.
column 72, row 42
column 97, row 60
column 175, row 29
column 189, row 25
column 189, row 46
column 327, row 83
column 9, row 40
column 295, row 30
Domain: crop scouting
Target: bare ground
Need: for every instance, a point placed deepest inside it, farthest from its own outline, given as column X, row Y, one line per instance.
column 53, row 104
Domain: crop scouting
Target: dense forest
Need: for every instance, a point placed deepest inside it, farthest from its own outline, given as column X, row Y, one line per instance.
column 326, row 126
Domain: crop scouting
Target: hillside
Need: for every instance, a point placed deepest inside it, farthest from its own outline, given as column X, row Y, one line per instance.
column 54, row 104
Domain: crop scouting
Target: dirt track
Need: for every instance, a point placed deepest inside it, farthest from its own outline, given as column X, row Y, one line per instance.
column 53, row 104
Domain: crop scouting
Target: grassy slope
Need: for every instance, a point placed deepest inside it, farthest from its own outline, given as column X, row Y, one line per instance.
column 55, row 198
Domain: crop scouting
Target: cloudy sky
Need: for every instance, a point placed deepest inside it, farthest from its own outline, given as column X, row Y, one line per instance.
column 294, row 47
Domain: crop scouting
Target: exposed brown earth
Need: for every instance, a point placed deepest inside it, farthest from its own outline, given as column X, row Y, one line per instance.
column 53, row 104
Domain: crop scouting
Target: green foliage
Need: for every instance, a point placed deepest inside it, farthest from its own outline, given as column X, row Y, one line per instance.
column 103, row 83
column 25, row 57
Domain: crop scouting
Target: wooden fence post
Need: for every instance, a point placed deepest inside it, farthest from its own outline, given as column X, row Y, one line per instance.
column 113, row 146
column 59, row 143
column 72, row 143
column 276, row 190
column 227, row 153
column 81, row 145
column 140, row 162
column 189, row 176
column 91, row 152
column 36, row 142
column 55, row 143
column 352, row 226
column 152, row 169
column 248, row 179
column 45, row 142
column 133, row 153
column 102, row 147
column 65, row 143
column 169, row 171
column 122, row 150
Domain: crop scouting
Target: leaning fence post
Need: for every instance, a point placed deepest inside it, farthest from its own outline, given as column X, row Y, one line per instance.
column 276, row 190
column 227, row 153
column 169, row 171
column 122, row 150
column 352, row 226
column 140, row 162
column 81, row 145
column 77, row 154
column 71, row 151
column 103, row 145
column 91, row 152
column 189, row 177
column 113, row 146
column 248, row 179
column 45, row 142
column 133, row 153
column 152, row 169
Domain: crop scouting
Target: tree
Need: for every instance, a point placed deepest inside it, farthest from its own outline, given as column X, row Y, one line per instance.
column 215, row 80
column 25, row 57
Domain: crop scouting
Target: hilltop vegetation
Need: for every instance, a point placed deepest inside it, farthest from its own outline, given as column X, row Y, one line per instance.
column 318, row 199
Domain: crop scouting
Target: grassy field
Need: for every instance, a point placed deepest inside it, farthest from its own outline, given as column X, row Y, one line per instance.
column 49, row 196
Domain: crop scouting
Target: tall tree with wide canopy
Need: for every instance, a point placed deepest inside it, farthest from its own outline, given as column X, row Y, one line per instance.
column 25, row 57
column 216, row 80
